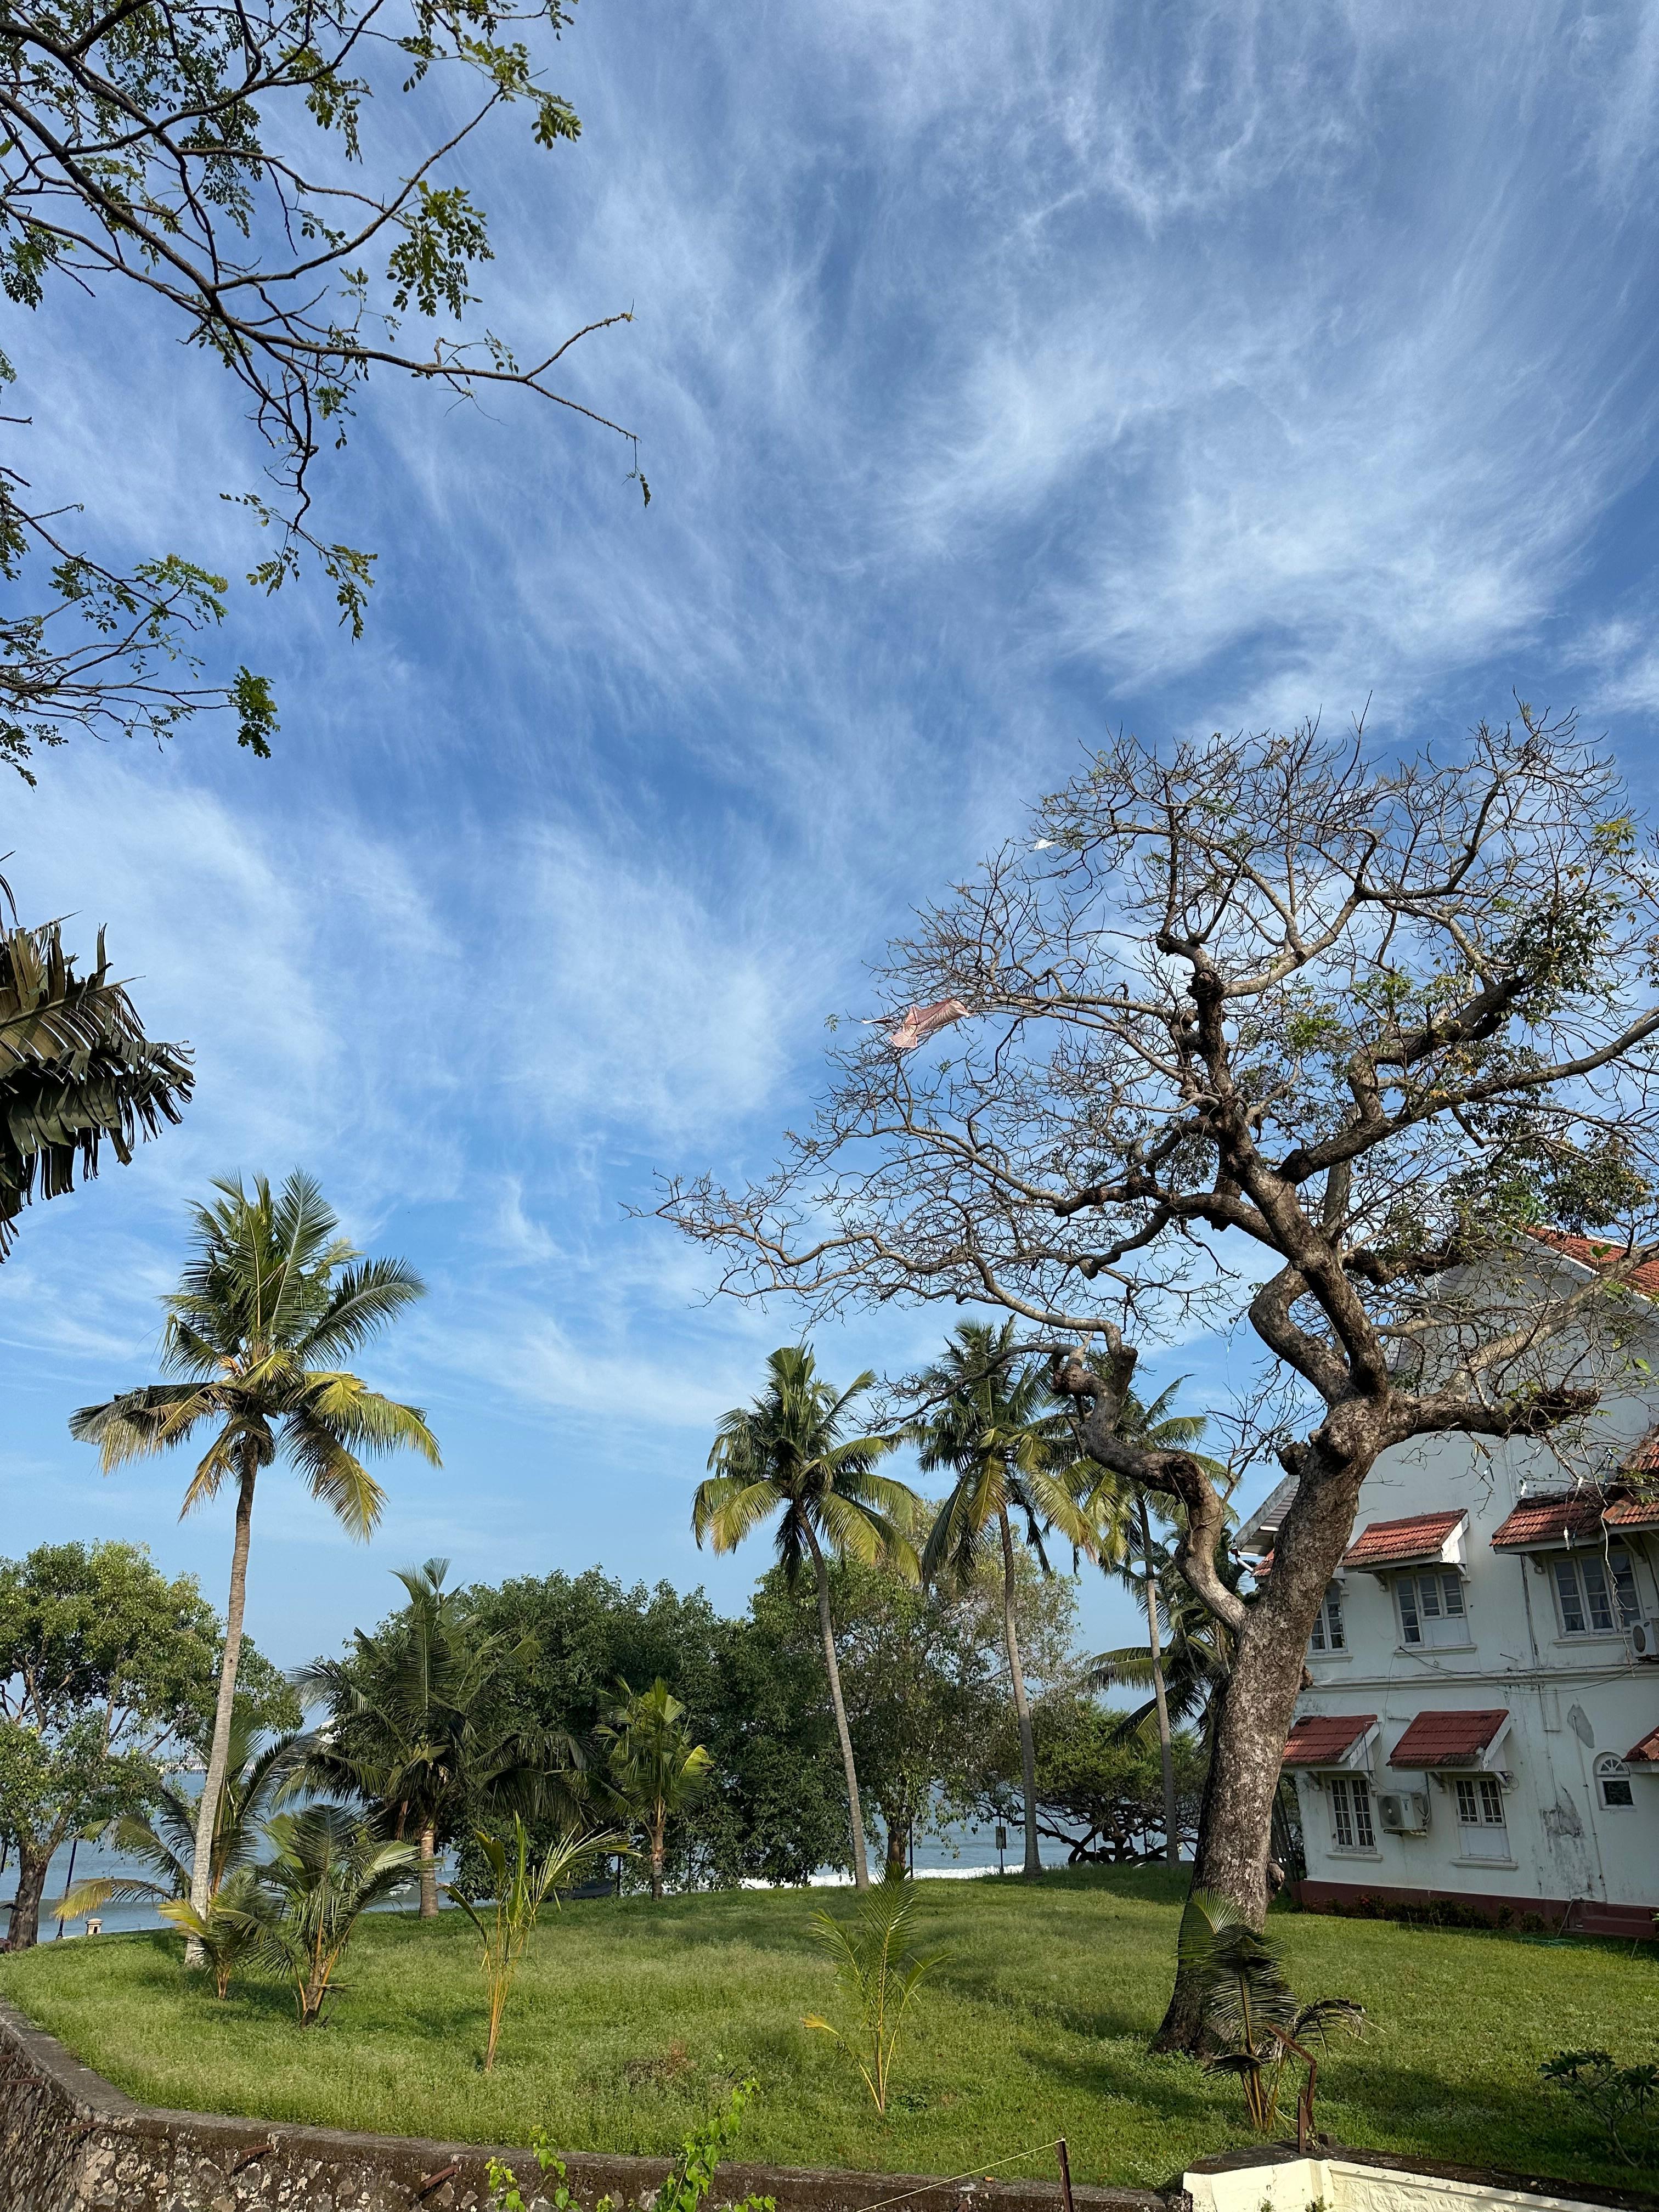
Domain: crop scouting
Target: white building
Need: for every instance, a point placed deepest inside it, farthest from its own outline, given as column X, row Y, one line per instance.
column 1483, row 1722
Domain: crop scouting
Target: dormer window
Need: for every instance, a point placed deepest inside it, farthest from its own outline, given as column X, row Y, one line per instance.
column 1329, row 1634
column 1431, row 1607
column 1595, row 1591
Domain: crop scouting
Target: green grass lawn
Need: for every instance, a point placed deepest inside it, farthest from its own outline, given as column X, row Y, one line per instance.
column 629, row 2017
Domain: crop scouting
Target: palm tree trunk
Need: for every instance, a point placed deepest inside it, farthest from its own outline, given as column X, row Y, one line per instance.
column 201, row 1872
column 826, row 1629
column 1165, row 1743
column 429, row 1873
column 1033, row 1866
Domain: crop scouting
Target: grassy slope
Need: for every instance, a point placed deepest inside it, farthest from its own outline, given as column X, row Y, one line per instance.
column 628, row 2015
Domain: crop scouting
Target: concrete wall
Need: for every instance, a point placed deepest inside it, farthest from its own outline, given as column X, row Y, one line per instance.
column 1276, row 2180
column 70, row 2142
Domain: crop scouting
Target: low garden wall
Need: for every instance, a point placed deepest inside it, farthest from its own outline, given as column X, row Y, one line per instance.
column 71, row 2142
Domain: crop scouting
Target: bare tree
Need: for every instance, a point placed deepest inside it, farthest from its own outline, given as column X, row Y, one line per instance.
column 219, row 159
column 1261, row 1030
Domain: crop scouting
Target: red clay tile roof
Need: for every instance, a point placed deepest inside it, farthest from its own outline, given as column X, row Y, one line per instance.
column 1447, row 1739
column 1573, row 1516
column 1396, row 1543
column 1565, row 1516
column 1645, row 1754
column 1600, row 1253
column 1321, row 1738
column 1645, row 1457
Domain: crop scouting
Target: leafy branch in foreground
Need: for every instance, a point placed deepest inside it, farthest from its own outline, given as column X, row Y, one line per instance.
column 219, row 159
column 878, row 1973
column 1616, row 2096
column 685, row 2189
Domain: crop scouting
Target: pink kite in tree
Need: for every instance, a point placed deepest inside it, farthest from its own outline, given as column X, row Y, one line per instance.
column 919, row 1024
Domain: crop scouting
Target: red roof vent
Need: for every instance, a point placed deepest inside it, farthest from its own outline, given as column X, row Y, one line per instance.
column 1436, row 1739
column 1326, row 1739
column 1422, row 1536
column 1645, row 1754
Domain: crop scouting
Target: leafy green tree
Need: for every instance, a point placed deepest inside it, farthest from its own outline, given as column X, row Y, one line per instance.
column 259, row 1773
column 774, row 1809
column 271, row 1294
column 878, row 1973
column 77, row 1070
column 1126, row 1548
column 106, row 1677
column 236, row 1931
column 219, row 166
column 788, row 1454
column 654, row 1770
column 1100, row 1784
column 326, row 1869
column 417, row 1728
column 987, row 1417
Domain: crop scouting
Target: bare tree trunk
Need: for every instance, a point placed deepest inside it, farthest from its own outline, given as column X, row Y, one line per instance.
column 429, row 1873
column 24, row 1929
column 1250, row 1717
column 1165, row 1743
column 826, row 1629
column 1033, row 1866
column 659, row 1854
column 201, row 1873
column 894, row 1867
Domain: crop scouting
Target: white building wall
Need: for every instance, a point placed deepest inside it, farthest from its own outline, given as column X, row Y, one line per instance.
column 1570, row 1698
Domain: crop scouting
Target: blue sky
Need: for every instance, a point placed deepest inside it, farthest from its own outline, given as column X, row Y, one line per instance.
column 1003, row 375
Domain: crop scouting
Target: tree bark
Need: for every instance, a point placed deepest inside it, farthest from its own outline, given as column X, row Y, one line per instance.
column 201, row 1875
column 1165, row 1742
column 1251, row 1714
column 895, row 1865
column 24, row 1929
column 826, row 1629
column 1033, row 1867
column 429, row 1873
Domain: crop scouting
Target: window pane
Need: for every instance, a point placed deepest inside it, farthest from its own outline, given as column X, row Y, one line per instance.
column 1597, row 1596
column 1409, row 1627
column 1623, row 1584
column 1566, row 1588
column 1333, row 1622
column 1428, row 1592
column 1615, row 1788
column 1452, row 1587
column 1362, row 1815
column 1491, row 1802
column 1316, row 1641
column 1340, row 1809
column 1468, row 1811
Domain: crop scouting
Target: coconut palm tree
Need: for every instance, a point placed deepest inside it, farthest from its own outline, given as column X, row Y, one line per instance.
column 1125, row 1548
column 788, row 1454
column 988, row 1419
column 418, row 1728
column 655, row 1771
column 76, row 1071
column 271, row 1297
column 256, row 1779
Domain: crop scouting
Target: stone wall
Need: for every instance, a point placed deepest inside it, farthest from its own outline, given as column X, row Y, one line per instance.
column 71, row 2142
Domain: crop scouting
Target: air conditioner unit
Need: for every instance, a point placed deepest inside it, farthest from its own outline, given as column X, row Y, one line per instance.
column 1403, row 1812
column 1642, row 1638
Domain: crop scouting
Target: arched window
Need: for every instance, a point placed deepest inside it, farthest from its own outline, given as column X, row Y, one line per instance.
column 1612, row 1781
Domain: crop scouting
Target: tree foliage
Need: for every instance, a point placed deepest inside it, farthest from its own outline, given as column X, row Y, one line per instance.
column 108, row 1670
column 77, row 1070
column 226, row 165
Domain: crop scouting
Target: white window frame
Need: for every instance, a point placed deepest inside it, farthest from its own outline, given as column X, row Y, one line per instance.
column 1431, row 1606
column 1610, row 1769
column 1483, row 1828
column 1330, row 1633
column 1352, row 1815
column 1595, row 1592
